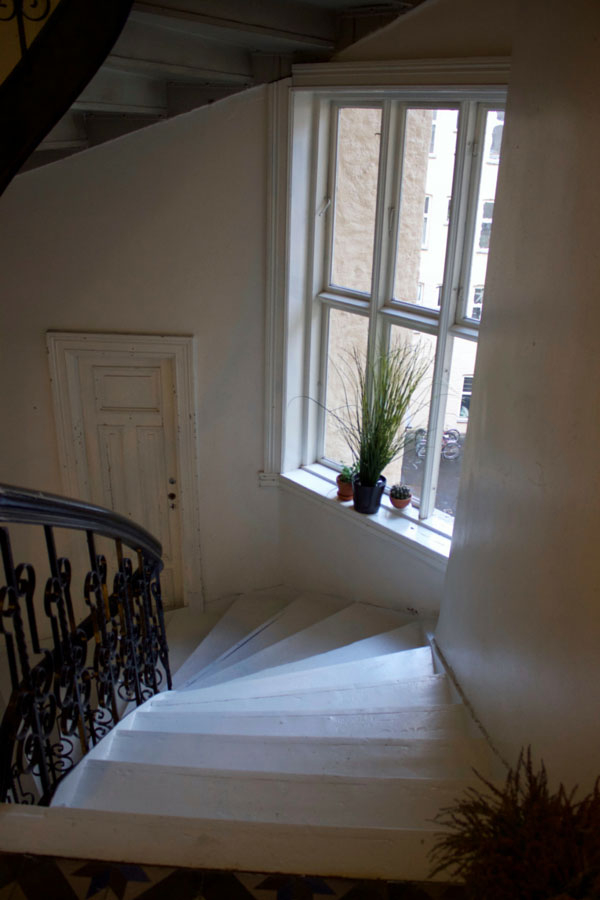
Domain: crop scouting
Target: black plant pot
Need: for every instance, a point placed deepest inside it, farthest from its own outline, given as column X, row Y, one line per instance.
column 367, row 497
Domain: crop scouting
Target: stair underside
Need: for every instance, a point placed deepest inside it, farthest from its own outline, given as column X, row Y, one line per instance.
column 319, row 717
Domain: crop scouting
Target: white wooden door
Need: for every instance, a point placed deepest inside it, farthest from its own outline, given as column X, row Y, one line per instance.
column 130, row 442
column 127, row 440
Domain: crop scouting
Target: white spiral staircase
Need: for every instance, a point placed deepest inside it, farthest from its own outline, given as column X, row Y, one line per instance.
column 303, row 735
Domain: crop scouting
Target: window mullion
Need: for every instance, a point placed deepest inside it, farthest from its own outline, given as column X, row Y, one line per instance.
column 323, row 131
column 474, row 162
column 326, row 208
column 381, row 237
column 443, row 356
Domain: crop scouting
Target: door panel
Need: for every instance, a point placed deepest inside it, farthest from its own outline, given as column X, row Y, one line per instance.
column 130, row 441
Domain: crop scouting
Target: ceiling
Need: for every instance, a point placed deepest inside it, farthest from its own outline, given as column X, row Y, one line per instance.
column 176, row 55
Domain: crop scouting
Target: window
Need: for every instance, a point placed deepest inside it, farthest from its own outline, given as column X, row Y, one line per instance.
column 465, row 400
column 477, row 302
column 485, row 230
column 432, row 140
column 425, row 231
column 496, row 138
column 393, row 249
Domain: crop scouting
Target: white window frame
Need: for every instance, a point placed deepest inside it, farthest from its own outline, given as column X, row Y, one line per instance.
column 295, row 296
column 383, row 312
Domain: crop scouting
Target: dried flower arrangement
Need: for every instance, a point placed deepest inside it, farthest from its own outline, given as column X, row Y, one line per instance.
column 522, row 842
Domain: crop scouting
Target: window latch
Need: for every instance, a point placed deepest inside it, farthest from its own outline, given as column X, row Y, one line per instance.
column 324, row 206
column 391, row 211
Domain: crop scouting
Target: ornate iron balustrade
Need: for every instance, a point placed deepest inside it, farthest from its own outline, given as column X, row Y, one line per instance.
column 22, row 11
column 66, row 696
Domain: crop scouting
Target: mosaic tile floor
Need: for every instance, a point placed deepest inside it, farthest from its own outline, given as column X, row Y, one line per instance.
column 36, row 877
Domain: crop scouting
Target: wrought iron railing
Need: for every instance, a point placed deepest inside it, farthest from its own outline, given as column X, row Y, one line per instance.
column 69, row 689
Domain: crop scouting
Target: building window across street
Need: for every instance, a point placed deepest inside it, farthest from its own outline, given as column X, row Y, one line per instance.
column 465, row 400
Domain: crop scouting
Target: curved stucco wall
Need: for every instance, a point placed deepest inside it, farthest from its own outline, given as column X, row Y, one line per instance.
column 440, row 29
column 520, row 621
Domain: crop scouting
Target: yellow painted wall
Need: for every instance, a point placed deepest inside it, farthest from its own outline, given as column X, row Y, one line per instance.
column 10, row 50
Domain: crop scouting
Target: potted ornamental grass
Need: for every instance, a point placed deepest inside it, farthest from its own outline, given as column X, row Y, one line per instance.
column 378, row 396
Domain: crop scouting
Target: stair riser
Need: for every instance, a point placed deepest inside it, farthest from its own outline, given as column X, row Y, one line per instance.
column 213, row 844
column 407, row 759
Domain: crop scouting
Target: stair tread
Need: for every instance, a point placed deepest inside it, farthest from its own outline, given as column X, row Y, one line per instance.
column 241, row 619
column 405, row 665
column 336, row 800
column 302, row 612
column 343, row 627
column 406, row 637
column 296, row 716
column 359, row 698
column 417, row 721
column 316, row 755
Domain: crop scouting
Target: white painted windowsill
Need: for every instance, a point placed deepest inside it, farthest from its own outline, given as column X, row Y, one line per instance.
column 430, row 542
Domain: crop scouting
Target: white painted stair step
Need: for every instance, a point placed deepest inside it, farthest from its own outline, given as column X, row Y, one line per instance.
column 421, row 692
column 301, row 756
column 407, row 637
column 245, row 617
column 446, row 721
column 392, row 668
column 374, row 853
column 302, row 612
column 263, row 797
column 343, row 627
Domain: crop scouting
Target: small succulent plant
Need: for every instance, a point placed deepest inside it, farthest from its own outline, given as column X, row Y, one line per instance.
column 400, row 492
column 347, row 474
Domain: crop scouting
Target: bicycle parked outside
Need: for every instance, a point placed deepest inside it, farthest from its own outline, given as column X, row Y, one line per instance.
column 450, row 443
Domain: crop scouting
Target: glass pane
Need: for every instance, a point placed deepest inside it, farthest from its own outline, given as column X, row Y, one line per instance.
column 357, row 167
column 458, row 404
column 408, row 467
column 426, row 191
column 485, row 212
column 348, row 334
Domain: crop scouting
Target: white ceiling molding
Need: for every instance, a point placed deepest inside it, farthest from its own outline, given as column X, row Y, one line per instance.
column 468, row 71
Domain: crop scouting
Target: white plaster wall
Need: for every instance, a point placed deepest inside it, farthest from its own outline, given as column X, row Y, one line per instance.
column 162, row 231
column 520, row 622
column 337, row 555
column 439, row 28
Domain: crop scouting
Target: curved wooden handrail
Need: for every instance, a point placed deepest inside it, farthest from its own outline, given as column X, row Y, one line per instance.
column 27, row 507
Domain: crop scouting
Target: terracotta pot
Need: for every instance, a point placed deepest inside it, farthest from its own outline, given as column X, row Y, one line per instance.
column 345, row 490
column 400, row 504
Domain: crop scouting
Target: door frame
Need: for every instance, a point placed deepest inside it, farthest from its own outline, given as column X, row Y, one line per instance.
column 65, row 349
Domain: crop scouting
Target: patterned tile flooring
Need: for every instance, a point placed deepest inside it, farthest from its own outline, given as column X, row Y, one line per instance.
column 45, row 878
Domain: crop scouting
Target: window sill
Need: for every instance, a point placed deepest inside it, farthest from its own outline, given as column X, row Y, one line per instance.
column 430, row 541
